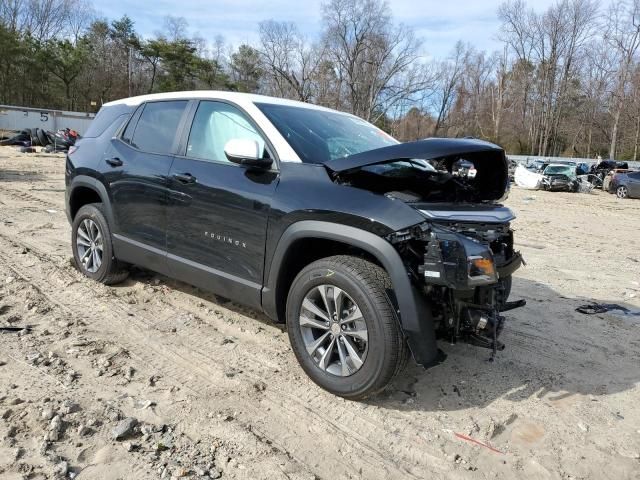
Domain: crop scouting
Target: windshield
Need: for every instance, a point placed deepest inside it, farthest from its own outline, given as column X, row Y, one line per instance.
column 318, row 136
column 559, row 170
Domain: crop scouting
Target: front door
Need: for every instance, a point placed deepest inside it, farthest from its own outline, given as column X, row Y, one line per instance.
column 218, row 210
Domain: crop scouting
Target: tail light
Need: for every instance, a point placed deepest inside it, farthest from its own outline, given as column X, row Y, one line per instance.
column 72, row 149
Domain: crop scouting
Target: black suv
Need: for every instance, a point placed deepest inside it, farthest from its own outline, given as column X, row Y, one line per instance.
column 369, row 249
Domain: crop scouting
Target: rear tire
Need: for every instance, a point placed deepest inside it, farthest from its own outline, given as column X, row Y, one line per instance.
column 33, row 133
column 92, row 246
column 344, row 363
column 42, row 136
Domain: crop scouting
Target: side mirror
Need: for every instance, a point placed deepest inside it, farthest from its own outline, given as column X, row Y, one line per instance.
column 246, row 152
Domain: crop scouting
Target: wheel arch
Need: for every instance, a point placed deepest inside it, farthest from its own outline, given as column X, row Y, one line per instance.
column 413, row 312
column 84, row 190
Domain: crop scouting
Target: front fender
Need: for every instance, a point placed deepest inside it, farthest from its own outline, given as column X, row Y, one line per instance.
column 413, row 312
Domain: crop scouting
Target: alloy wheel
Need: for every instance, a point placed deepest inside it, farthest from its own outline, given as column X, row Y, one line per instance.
column 89, row 245
column 621, row 192
column 334, row 330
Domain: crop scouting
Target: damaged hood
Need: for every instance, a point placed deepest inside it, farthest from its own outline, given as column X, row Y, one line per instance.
column 395, row 169
column 428, row 149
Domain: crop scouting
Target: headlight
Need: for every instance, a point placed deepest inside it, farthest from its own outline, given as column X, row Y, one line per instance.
column 481, row 270
column 456, row 261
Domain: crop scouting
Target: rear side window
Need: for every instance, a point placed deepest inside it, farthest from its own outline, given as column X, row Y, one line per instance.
column 157, row 127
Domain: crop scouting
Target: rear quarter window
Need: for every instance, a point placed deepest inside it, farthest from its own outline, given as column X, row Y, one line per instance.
column 108, row 117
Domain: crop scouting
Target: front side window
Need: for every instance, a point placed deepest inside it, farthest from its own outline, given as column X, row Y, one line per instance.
column 319, row 136
column 157, row 127
column 214, row 124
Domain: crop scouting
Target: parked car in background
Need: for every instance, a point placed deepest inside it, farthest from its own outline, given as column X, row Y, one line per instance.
column 560, row 177
column 625, row 184
column 582, row 168
column 512, row 169
column 600, row 170
column 537, row 166
column 606, row 182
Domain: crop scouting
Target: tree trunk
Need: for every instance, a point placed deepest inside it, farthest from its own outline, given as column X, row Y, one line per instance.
column 614, row 131
column 635, row 144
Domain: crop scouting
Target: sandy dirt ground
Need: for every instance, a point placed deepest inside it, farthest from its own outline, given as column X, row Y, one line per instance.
column 156, row 379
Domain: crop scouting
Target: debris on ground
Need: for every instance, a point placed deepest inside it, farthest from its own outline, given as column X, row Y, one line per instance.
column 477, row 442
column 593, row 308
column 53, row 142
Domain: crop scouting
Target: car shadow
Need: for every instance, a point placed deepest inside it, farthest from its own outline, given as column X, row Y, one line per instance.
column 551, row 349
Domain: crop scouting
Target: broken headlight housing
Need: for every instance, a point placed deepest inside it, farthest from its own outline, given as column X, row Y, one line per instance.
column 456, row 261
column 482, row 269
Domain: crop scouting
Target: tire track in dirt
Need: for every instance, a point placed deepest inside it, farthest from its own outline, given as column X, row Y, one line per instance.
column 28, row 197
column 198, row 363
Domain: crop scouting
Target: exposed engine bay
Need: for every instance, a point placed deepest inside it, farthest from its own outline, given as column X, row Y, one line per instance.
column 451, row 179
column 462, row 256
column 476, row 174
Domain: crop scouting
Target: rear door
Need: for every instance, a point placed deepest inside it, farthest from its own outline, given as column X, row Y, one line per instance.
column 219, row 210
column 136, row 172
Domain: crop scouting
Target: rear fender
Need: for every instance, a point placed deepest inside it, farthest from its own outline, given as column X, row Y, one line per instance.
column 95, row 185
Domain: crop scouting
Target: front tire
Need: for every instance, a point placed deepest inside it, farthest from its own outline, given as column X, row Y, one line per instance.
column 343, row 328
column 92, row 247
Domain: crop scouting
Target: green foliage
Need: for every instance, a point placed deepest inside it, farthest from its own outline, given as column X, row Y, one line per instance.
column 65, row 61
column 246, row 68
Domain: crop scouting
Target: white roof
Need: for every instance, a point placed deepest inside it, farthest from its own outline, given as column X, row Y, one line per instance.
column 247, row 101
column 236, row 97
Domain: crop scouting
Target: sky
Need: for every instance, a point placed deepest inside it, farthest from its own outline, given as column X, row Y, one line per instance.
column 440, row 24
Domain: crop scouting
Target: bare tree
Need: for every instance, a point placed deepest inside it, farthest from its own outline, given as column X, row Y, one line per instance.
column 449, row 75
column 623, row 36
column 11, row 13
column 174, row 28
column 376, row 61
column 289, row 61
column 81, row 16
column 46, row 19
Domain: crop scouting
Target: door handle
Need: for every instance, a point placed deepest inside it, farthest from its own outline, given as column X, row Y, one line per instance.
column 114, row 162
column 184, row 177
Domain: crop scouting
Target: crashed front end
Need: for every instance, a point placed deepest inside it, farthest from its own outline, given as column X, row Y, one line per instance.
column 461, row 257
column 463, row 268
column 559, row 183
